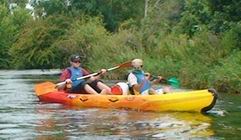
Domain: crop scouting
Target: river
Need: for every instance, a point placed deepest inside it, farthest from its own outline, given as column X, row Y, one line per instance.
column 22, row 116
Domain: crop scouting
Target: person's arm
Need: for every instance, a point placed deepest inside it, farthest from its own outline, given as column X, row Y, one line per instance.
column 157, row 80
column 85, row 72
column 92, row 78
column 148, row 76
column 65, row 76
column 102, row 72
column 132, row 80
column 153, row 79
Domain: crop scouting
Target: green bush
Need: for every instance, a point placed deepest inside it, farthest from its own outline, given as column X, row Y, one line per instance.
column 34, row 48
column 10, row 26
column 227, row 76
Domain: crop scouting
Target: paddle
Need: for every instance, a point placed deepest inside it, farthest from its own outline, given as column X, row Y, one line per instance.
column 173, row 81
column 46, row 87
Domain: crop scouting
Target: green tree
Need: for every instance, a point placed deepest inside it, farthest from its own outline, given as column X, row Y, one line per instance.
column 113, row 11
column 195, row 17
column 44, row 8
column 10, row 26
column 5, row 31
column 34, row 49
column 86, row 36
column 224, row 14
column 216, row 15
column 162, row 17
column 20, row 3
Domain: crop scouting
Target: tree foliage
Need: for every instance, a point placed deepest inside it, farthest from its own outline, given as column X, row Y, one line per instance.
column 184, row 38
column 10, row 26
column 34, row 49
column 216, row 15
column 113, row 11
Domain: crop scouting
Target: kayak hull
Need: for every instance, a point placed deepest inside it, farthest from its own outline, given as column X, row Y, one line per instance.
column 191, row 101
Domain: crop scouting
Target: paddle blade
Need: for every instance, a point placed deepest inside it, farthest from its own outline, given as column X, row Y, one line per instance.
column 174, row 82
column 126, row 64
column 123, row 65
column 44, row 88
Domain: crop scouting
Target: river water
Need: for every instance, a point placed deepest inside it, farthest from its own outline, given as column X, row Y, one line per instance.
column 22, row 116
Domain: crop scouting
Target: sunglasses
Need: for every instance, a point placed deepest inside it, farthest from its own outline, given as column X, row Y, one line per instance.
column 76, row 61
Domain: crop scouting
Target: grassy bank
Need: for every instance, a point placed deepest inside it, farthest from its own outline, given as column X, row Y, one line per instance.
column 206, row 60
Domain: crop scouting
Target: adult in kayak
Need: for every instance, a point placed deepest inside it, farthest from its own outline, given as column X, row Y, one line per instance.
column 92, row 86
column 140, row 82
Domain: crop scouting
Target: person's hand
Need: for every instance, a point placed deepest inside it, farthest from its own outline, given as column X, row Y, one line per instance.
column 160, row 78
column 92, row 78
column 148, row 75
column 68, row 83
column 103, row 71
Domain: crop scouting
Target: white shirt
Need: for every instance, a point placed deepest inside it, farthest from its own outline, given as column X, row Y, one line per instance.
column 132, row 80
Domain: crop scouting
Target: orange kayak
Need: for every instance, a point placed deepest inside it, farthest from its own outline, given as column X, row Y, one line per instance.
column 194, row 101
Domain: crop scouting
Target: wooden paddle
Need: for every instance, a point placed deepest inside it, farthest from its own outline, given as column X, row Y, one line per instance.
column 46, row 87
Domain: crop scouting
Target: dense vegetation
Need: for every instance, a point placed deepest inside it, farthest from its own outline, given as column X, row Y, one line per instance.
column 197, row 41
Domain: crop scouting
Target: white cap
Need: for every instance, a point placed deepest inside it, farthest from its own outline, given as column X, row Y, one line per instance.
column 137, row 63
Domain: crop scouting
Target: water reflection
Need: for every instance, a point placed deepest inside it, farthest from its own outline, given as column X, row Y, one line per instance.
column 62, row 122
column 22, row 116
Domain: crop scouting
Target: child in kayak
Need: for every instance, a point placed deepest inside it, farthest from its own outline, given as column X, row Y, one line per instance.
column 140, row 82
column 91, row 86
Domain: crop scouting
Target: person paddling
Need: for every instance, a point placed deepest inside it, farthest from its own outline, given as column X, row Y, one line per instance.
column 139, row 81
column 91, row 86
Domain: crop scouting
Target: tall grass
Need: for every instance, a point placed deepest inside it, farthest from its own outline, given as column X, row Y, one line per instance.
column 200, row 62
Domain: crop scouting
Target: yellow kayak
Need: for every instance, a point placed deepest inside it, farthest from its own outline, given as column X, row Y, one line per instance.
column 194, row 101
